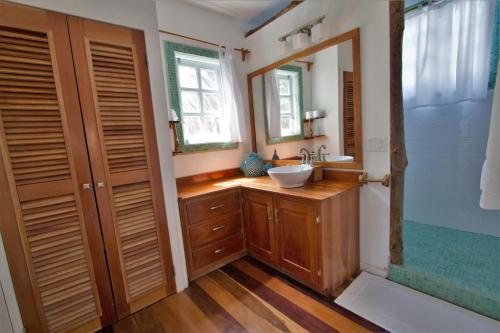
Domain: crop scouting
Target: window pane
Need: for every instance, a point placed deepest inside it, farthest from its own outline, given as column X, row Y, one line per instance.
column 211, row 103
column 192, row 128
column 187, row 77
column 286, row 123
column 212, row 127
column 209, row 79
column 190, row 102
column 285, row 105
column 284, row 86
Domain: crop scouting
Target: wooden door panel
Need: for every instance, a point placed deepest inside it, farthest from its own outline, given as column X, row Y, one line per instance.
column 259, row 224
column 117, row 111
column 44, row 166
column 297, row 238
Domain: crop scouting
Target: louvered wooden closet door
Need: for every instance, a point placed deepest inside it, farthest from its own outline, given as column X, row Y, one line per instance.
column 348, row 109
column 112, row 77
column 48, row 221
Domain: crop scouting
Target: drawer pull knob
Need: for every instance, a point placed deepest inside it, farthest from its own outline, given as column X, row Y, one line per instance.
column 219, row 250
column 217, row 207
column 217, row 228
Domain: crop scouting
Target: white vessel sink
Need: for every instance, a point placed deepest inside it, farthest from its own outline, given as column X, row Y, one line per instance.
column 290, row 176
column 339, row 158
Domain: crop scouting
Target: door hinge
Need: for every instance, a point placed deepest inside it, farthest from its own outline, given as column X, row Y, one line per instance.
column 319, row 272
column 173, row 271
column 146, row 59
column 317, row 219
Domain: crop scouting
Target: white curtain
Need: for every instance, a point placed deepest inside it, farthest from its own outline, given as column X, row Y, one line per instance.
column 446, row 52
column 490, row 176
column 232, row 101
column 273, row 113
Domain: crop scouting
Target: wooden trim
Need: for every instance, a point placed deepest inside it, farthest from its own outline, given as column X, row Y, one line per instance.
column 353, row 35
column 285, row 10
column 203, row 177
column 307, row 52
column 398, row 150
column 342, row 176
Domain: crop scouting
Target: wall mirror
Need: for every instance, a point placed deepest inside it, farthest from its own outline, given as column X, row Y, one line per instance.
column 312, row 100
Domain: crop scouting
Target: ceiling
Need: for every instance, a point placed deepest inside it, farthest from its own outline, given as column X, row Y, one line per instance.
column 251, row 12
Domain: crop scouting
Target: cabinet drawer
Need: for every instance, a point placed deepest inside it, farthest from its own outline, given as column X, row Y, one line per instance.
column 214, row 229
column 213, row 205
column 217, row 250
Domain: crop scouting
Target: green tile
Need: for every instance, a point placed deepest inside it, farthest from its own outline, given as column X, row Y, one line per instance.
column 457, row 266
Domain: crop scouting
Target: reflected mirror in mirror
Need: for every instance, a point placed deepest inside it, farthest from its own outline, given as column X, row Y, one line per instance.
column 308, row 102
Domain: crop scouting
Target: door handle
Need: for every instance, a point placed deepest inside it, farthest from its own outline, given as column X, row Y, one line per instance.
column 86, row 186
column 100, row 184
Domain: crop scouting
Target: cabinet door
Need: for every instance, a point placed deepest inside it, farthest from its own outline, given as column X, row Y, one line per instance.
column 48, row 219
column 112, row 76
column 296, row 236
column 259, row 224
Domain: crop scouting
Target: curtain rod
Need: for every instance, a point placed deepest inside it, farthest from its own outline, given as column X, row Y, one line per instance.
column 421, row 4
column 244, row 52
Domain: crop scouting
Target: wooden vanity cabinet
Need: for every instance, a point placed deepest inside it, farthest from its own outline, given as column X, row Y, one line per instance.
column 260, row 229
column 212, row 230
column 313, row 241
column 296, row 235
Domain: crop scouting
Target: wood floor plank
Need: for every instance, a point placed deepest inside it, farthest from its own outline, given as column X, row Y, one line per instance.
column 255, row 304
column 147, row 321
column 180, row 314
column 279, row 301
column 245, row 296
column 249, row 320
column 328, row 302
column 125, row 325
column 220, row 317
column 305, row 302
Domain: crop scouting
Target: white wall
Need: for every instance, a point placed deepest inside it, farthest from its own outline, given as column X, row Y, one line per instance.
column 325, row 72
column 373, row 19
column 10, row 316
column 140, row 15
column 182, row 18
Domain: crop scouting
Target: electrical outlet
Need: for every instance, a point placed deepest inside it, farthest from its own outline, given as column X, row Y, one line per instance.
column 377, row 144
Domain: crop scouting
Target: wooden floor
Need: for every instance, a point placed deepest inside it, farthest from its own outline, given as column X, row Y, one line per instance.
column 245, row 296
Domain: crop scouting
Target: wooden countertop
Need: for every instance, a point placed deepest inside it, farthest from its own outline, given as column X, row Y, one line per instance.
column 316, row 191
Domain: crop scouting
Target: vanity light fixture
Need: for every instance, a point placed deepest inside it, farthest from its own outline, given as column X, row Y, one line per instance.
column 300, row 40
column 312, row 30
column 317, row 32
column 288, row 44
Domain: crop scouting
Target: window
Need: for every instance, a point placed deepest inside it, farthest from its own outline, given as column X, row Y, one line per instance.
column 196, row 97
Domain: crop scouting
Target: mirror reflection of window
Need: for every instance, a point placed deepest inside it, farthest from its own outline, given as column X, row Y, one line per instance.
column 283, row 103
column 288, row 87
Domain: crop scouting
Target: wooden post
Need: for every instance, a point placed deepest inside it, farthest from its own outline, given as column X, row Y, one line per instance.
column 398, row 151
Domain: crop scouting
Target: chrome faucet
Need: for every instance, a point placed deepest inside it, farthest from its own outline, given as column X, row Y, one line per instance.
column 306, row 155
column 321, row 156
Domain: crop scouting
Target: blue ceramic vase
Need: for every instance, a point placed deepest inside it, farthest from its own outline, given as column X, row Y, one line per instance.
column 253, row 166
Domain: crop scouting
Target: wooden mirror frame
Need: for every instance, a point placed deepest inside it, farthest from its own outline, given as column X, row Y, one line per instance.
column 353, row 35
